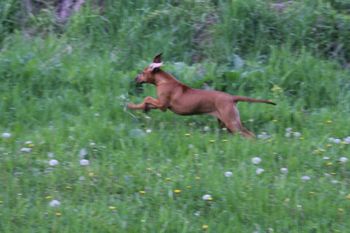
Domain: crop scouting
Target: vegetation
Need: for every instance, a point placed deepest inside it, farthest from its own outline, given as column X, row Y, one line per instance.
column 73, row 159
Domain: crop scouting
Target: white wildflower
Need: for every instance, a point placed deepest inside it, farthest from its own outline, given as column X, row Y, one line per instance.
column 334, row 140
column 289, row 130
column 337, row 141
column 26, row 149
column 326, row 158
column 297, row 134
column 284, row 170
column 287, row 134
column 55, row 203
column 228, row 174
column 256, row 160
column 343, row 159
column 206, row 128
column 148, row 131
column 84, row 162
column 6, row 135
column 305, row 178
column 83, row 153
column 207, row 197
column 263, row 135
column 259, row 171
column 53, row 162
column 347, row 140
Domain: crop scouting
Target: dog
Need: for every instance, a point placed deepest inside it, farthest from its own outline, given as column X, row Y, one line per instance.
column 184, row 100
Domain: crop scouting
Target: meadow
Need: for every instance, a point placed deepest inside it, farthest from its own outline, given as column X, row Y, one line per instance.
column 74, row 159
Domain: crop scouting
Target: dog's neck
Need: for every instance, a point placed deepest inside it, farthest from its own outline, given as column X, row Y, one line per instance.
column 162, row 77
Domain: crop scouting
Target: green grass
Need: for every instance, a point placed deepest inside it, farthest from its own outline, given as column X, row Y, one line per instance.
column 64, row 101
column 63, row 88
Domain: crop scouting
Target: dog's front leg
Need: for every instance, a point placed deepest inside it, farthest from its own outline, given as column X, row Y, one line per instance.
column 147, row 104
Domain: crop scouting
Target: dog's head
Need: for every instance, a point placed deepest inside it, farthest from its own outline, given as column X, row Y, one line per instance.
column 147, row 75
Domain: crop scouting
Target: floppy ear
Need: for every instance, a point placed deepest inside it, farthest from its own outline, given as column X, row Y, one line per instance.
column 158, row 58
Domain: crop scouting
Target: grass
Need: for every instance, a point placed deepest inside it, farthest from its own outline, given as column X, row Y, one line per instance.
column 63, row 93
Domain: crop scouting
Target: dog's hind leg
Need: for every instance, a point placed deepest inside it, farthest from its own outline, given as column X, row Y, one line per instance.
column 230, row 117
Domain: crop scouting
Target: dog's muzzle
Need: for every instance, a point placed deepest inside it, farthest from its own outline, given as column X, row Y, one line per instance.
column 138, row 81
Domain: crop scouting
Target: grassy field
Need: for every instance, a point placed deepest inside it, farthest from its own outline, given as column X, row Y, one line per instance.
column 73, row 159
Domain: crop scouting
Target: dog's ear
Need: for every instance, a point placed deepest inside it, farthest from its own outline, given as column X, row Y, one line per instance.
column 155, row 66
column 158, row 58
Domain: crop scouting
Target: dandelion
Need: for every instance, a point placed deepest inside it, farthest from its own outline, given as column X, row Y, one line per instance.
column 205, row 227
column 142, row 192
column 207, row 197
column 256, row 160
column 6, row 135
column 84, row 162
column 53, row 162
column 58, row 214
column 305, row 178
column 284, row 170
column 259, row 171
column 348, row 196
column 177, row 191
column 228, row 174
column 54, row 203
column 343, row 159
column 26, row 149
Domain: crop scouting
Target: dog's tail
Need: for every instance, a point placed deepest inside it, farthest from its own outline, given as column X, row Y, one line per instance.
column 247, row 99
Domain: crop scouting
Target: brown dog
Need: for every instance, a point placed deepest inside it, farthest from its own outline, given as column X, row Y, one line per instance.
column 183, row 100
